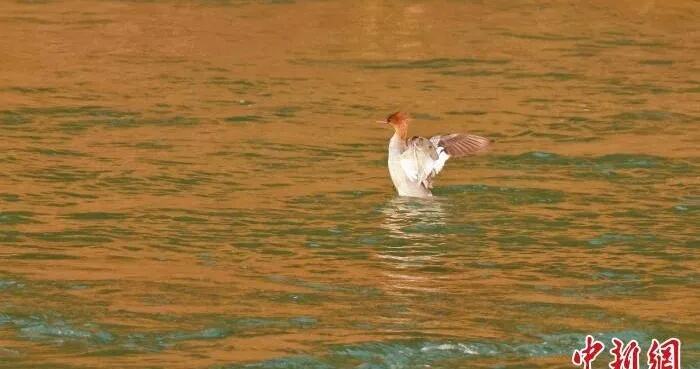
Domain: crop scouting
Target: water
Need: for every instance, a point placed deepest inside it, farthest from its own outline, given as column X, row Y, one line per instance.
column 202, row 185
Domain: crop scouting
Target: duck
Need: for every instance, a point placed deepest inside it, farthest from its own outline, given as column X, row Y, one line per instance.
column 415, row 161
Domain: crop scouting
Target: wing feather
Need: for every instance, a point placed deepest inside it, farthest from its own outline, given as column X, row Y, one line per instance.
column 420, row 160
column 424, row 158
column 409, row 167
column 458, row 144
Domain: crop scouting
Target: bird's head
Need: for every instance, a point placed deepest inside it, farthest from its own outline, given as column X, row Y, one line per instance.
column 399, row 121
column 398, row 118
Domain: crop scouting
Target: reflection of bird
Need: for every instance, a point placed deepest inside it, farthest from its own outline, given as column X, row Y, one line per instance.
column 415, row 161
column 407, row 218
column 414, row 222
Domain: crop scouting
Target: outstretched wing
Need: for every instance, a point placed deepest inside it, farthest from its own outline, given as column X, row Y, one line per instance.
column 459, row 144
column 424, row 158
column 421, row 160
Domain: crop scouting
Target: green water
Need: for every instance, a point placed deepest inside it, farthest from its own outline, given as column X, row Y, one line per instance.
column 201, row 184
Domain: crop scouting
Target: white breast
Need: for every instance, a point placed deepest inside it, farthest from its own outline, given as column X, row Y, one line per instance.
column 404, row 185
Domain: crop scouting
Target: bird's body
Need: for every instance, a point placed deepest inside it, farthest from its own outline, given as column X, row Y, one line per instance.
column 414, row 162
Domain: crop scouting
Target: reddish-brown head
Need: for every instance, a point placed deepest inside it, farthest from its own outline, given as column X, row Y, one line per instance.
column 399, row 121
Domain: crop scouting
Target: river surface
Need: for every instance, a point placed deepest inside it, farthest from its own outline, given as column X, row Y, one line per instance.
column 202, row 184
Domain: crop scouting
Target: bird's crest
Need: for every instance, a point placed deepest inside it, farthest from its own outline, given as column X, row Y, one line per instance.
column 398, row 117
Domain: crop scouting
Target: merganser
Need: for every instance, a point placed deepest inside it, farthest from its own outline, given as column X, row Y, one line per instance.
column 415, row 161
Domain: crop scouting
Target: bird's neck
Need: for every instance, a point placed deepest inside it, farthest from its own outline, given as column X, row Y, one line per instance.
column 401, row 131
column 398, row 141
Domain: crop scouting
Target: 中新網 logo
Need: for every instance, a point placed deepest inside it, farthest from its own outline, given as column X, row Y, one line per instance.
column 665, row 355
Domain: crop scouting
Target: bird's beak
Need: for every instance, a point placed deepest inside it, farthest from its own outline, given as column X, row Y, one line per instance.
column 382, row 121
